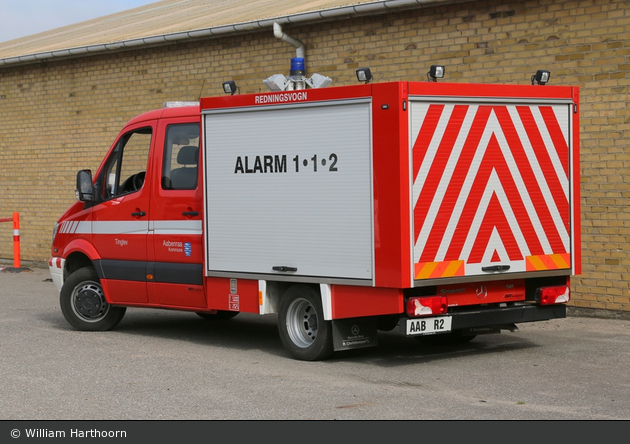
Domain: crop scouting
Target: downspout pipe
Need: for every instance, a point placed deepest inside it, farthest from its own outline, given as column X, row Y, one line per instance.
column 280, row 34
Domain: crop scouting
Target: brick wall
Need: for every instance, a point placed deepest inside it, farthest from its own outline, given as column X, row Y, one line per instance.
column 58, row 117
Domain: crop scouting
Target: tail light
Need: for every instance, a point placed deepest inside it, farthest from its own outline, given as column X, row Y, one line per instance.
column 559, row 294
column 426, row 306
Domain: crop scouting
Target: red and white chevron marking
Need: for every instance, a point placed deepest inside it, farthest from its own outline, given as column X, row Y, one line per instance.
column 491, row 182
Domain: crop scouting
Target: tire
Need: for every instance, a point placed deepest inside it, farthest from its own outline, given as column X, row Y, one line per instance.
column 220, row 315
column 83, row 303
column 303, row 331
column 454, row 337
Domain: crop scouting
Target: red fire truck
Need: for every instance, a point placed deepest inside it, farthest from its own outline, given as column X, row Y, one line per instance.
column 444, row 210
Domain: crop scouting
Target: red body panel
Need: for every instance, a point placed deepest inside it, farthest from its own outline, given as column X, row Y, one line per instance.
column 125, row 292
column 459, row 90
column 474, row 293
column 287, row 97
column 350, row 302
column 577, row 215
column 175, row 236
column 180, row 295
column 392, row 246
column 223, row 296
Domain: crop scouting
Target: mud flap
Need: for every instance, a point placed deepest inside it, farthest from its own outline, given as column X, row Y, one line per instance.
column 354, row 333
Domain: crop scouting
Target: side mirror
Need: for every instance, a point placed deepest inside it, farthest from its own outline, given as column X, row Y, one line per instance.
column 85, row 189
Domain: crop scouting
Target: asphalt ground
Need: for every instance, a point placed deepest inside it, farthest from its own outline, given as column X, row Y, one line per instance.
column 170, row 365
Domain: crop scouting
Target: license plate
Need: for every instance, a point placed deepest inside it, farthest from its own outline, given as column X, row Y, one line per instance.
column 427, row 326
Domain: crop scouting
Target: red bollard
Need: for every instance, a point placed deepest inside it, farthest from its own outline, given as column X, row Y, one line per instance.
column 16, row 240
column 16, row 245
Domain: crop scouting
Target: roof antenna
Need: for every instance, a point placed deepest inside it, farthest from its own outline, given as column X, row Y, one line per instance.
column 201, row 92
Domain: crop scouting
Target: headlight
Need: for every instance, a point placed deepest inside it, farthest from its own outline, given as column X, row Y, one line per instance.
column 55, row 229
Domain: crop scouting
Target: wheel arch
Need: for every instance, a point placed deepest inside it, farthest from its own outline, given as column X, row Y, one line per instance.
column 78, row 254
column 76, row 261
column 274, row 291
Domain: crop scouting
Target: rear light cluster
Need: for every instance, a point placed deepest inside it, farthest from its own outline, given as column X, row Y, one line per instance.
column 426, row 306
column 559, row 294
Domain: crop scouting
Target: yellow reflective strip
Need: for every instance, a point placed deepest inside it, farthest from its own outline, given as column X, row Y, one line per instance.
column 452, row 268
column 427, row 270
column 536, row 262
column 560, row 260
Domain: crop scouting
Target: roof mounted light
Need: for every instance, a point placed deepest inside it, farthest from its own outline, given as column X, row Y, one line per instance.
column 230, row 87
column 364, row 75
column 541, row 77
column 278, row 82
column 435, row 72
column 318, row 81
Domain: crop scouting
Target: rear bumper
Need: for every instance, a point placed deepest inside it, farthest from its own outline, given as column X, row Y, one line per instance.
column 488, row 317
column 480, row 318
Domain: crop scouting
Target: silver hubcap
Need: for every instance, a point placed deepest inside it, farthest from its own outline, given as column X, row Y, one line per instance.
column 88, row 301
column 302, row 323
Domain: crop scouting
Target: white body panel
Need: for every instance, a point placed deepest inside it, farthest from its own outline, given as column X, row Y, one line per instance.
column 294, row 190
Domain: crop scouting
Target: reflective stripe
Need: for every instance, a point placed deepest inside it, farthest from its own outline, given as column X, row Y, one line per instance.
column 176, row 227
column 118, row 227
column 430, row 270
column 187, row 227
column 75, row 227
column 548, row 262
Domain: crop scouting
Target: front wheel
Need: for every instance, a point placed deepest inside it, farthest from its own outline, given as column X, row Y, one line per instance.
column 301, row 325
column 83, row 303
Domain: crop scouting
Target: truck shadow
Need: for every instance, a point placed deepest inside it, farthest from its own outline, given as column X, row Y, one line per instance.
column 253, row 332
column 396, row 350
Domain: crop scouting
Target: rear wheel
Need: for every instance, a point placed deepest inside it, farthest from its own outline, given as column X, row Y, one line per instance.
column 220, row 315
column 301, row 325
column 83, row 302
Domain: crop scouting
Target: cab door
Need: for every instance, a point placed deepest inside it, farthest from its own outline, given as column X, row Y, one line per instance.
column 120, row 219
column 176, row 215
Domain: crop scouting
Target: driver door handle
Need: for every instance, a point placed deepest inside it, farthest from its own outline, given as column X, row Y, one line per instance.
column 138, row 214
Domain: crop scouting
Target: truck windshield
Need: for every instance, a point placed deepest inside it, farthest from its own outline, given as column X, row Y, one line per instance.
column 125, row 169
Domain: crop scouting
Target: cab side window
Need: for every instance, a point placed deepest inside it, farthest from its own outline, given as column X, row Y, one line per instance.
column 181, row 157
column 125, row 170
